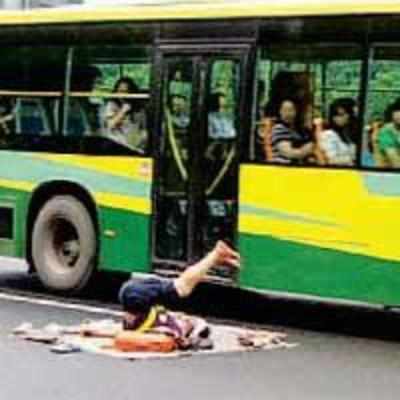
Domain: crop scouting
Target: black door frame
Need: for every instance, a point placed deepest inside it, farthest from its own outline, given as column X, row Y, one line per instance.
column 199, row 51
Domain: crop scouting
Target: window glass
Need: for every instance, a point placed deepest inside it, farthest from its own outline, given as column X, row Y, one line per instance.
column 31, row 86
column 381, row 142
column 307, row 105
column 109, row 95
column 172, row 201
column 220, row 169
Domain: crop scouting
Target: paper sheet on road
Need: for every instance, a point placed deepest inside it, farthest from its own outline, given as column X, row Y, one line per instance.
column 226, row 339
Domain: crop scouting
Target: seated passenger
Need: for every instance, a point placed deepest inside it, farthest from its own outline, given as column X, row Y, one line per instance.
column 337, row 141
column 178, row 86
column 84, row 115
column 388, row 138
column 6, row 117
column 289, row 144
column 180, row 121
column 220, row 124
column 179, row 112
column 125, row 122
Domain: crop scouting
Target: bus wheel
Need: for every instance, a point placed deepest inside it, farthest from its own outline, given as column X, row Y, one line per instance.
column 64, row 244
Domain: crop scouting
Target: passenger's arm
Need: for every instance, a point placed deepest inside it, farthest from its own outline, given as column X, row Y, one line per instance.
column 286, row 149
column 329, row 145
column 115, row 119
column 393, row 157
column 4, row 122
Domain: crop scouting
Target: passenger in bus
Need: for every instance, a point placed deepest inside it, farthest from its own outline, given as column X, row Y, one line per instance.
column 337, row 141
column 290, row 143
column 176, row 126
column 143, row 301
column 388, row 138
column 84, row 116
column 125, row 120
column 179, row 111
column 6, row 117
column 178, row 86
column 220, row 123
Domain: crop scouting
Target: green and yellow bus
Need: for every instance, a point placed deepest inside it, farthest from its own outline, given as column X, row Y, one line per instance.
column 132, row 138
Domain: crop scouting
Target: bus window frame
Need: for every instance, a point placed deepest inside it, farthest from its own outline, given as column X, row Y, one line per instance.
column 364, row 49
column 67, row 95
column 373, row 45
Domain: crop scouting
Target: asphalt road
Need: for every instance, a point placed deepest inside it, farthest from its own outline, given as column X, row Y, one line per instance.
column 342, row 354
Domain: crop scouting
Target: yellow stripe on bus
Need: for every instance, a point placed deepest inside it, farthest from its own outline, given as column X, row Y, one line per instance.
column 136, row 168
column 139, row 205
column 17, row 185
column 327, row 208
column 201, row 11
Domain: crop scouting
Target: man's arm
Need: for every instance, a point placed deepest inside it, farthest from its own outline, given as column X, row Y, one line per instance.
column 194, row 274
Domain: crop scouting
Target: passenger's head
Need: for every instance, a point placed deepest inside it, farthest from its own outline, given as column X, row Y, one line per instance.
column 393, row 113
column 125, row 85
column 177, row 75
column 177, row 104
column 217, row 102
column 287, row 112
column 342, row 114
column 350, row 104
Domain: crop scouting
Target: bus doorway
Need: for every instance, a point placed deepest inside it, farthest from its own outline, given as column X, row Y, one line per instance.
column 196, row 183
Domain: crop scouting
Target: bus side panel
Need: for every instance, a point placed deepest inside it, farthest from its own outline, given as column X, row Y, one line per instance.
column 119, row 186
column 328, row 233
column 124, row 239
column 14, row 200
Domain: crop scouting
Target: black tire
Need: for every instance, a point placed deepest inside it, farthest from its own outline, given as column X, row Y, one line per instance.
column 64, row 244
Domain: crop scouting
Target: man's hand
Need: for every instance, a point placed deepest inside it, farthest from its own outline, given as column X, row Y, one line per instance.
column 222, row 254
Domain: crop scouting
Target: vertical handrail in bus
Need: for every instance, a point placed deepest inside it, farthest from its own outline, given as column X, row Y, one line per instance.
column 67, row 88
column 365, row 78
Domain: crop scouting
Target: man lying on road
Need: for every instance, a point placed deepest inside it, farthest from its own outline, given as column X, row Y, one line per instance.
column 144, row 301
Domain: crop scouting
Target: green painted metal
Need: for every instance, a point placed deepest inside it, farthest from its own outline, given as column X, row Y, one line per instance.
column 125, row 241
column 279, row 265
column 19, row 201
column 7, row 247
column 128, row 251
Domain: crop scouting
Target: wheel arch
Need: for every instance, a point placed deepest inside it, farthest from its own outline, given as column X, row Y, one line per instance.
column 46, row 191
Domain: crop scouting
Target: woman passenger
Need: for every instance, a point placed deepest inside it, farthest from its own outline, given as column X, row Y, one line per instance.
column 220, row 123
column 125, row 121
column 337, row 142
column 290, row 144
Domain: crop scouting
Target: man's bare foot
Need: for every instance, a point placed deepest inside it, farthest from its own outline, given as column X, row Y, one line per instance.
column 222, row 254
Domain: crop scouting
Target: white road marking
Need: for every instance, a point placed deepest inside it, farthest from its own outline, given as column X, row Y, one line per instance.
column 59, row 304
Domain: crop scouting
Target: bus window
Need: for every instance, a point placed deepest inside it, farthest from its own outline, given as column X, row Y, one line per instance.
column 108, row 95
column 31, row 82
column 220, row 152
column 381, row 145
column 306, row 109
column 172, row 202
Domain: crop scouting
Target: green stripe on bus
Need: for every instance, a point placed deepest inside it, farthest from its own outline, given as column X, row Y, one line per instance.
column 278, row 265
column 285, row 216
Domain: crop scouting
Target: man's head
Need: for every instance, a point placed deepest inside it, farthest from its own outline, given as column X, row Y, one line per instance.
column 135, row 300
